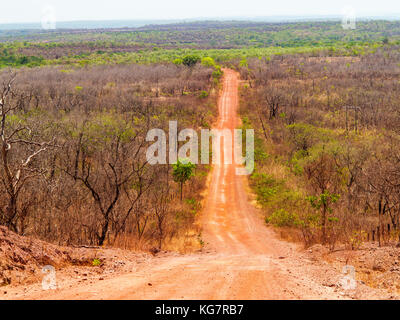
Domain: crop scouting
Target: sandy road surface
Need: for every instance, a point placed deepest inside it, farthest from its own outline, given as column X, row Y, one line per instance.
column 242, row 258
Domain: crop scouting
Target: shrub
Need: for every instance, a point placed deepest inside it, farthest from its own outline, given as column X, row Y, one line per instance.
column 283, row 218
column 96, row 262
column 208, row 62
column 178, row 61
column 190, row 60
column 203, row 94
column 217, row 74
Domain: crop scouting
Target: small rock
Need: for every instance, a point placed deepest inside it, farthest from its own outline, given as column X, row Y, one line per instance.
column 154, row 251
column 330, row 285
column 149, row 284
column 378, row 268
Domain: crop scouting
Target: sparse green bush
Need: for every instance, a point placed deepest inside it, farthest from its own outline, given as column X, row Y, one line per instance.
column 190, row 60
column 203, row 94
column 283, row 218
column 96, row 262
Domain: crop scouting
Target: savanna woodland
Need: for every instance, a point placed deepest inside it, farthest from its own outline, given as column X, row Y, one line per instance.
column 76, row 106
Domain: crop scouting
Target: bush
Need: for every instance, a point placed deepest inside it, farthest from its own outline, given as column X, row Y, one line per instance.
column 217, row 74
column 190, row 60
column 96, row 262
column 178, row 61
column 208, row 62
column 266, row 187
column 203, row 94
column 283, row 218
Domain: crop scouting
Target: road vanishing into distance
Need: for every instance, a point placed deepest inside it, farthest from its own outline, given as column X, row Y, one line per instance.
column 241, row 258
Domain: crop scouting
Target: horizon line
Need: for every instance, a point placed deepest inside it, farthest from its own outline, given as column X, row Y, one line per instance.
column 276, row 18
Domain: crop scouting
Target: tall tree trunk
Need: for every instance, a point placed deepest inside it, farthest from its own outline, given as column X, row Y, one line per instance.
column 181, row 191
column 103, row 234
column 324, row 209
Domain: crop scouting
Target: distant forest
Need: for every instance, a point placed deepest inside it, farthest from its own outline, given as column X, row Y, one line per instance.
column 223, row 41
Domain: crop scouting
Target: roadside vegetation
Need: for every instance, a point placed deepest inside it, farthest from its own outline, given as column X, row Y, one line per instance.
column 327, row 160
column 73, row 166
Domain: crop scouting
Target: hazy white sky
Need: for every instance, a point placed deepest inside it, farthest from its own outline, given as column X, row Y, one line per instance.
column 65, row 10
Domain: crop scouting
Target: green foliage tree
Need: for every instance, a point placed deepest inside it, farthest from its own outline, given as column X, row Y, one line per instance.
column 208, row 62
column 323, row 202
column 385, row 40
column 182, row 172
column 190, row 60
column 217, row 74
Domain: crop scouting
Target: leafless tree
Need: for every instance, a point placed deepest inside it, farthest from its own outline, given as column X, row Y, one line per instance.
column 18, row 153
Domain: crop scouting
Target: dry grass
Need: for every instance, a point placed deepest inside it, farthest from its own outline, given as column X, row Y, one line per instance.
column 186, row 243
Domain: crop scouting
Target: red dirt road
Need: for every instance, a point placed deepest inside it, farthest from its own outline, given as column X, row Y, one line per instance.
column 242, row 259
